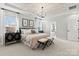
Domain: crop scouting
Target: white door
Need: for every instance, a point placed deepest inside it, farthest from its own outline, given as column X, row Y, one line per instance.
column 72, row 31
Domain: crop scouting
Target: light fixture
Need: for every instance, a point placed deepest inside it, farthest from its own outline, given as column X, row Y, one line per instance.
column 42, row 12
column 41, row 15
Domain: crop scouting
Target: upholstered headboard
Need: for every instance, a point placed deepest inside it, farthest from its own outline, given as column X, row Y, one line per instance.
column 24, row 30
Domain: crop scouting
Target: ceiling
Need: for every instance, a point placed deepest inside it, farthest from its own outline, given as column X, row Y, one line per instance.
column 49, row 8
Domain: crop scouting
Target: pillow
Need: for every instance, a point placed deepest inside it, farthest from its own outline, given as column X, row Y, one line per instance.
column 23, row 31
column 36, row 30
column 28, row 31
column 33, row 31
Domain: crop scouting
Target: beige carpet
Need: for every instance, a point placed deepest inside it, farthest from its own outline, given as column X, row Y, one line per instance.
column 60, row 48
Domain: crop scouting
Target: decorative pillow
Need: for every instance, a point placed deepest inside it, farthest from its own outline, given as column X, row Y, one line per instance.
column 33, row 31
column 23, row 31
column 28, row 31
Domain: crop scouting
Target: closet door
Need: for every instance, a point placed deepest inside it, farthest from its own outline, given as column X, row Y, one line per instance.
column 73, row 28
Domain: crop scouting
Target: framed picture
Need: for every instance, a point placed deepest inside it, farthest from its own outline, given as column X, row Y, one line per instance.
column 25, row 22
column 31, row 23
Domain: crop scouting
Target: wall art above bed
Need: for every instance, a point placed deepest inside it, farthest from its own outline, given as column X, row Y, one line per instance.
column 31, row 23
column 26, row 23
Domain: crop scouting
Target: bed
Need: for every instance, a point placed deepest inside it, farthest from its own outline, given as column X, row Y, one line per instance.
column 31, row 39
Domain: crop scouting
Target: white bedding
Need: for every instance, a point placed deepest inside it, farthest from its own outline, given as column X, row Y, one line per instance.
column 31, row 39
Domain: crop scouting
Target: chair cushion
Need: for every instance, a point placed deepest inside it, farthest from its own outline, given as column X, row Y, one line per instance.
column 43, row 40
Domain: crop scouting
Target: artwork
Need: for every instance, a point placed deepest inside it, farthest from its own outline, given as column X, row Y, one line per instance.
column 24, row 22
column 31, row 23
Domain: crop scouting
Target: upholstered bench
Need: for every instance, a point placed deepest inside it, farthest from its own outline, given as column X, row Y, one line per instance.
column 45, row 42
column 51, row 39
column 42, row 43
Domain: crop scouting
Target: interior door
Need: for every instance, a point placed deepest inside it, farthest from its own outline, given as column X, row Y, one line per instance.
column 73, row 28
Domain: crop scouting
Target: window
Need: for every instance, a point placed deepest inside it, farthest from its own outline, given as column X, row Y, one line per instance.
column 10, row 20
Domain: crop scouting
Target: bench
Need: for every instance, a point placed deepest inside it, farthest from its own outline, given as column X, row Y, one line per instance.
column 45, row 42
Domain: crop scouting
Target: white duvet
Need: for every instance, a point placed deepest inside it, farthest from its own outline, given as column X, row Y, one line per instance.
column 31, row 39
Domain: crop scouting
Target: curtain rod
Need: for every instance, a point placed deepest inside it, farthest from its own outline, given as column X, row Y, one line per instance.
column 10, row 10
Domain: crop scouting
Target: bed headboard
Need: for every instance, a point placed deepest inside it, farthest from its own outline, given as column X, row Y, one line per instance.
column 25, row 29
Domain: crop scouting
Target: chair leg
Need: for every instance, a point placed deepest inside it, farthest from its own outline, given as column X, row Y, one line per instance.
column 44, row 45
column 38, row 45
column 48, row 44
column 53, row 42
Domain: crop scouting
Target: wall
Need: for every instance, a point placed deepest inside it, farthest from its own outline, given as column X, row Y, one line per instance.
column 61, row 21
column 61, row 24
column 46, row 26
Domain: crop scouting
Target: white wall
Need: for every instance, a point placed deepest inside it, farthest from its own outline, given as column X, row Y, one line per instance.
column 61, row 24
column 61, row 21
column 46, row 26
